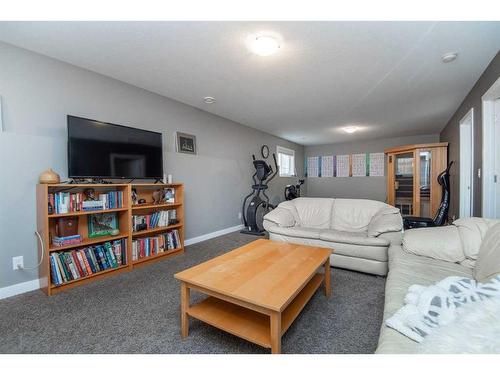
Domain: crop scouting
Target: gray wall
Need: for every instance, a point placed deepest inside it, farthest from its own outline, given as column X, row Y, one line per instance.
column 451, row 134
column 37, row 94
column 356, row 187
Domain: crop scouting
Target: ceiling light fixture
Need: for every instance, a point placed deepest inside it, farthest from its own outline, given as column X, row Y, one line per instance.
column 449, row 57
column 264, row 45
column 209, row 99
column 350, row 129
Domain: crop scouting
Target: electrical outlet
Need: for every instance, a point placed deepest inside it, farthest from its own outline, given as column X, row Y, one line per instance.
column 17, row 263
column 239, row 215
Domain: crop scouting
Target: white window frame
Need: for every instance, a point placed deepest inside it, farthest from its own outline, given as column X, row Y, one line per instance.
column 286, row 151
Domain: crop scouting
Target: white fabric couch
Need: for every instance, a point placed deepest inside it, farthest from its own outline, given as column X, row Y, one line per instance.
column 359, row 230
column 427, row 256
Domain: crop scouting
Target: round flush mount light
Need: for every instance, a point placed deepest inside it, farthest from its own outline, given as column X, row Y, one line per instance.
column 449, row 57
column 209, row 100
column 263, row 45
column 350, row 129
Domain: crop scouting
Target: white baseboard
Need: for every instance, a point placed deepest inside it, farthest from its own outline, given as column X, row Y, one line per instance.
column 20, row 288
column 28, row 286
column 209, row 236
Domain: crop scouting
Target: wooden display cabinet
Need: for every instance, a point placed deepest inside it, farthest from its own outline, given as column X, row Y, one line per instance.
column 412, row 173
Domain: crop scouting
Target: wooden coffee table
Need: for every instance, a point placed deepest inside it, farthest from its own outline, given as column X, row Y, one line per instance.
column 256, row 291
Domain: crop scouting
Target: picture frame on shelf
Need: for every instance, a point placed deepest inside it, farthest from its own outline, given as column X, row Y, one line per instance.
column 103, row 224
column 186, row 143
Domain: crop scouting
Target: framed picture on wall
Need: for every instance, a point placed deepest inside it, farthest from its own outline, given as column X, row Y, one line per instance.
column 186, row 143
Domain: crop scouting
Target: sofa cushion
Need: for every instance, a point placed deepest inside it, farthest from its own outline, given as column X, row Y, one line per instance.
column 437, row 242
column 354, row 238
column 300, row 232
column 354, row 215
column 488, row 259
column 374, row 253
column 355, row 252
column 314, row 212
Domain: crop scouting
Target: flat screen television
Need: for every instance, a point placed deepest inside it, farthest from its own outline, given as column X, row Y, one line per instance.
column 101, row 150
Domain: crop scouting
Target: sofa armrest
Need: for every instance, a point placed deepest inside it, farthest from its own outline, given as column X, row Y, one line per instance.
column 436, row 242
column 395, row 238
column 279, row 217
column 385, row 222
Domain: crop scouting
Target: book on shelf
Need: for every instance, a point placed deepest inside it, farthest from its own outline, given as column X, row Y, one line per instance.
column 65, row 202
column 154, row 220
column 68, row 240
column 74, row 264
column 149, row 246
column 93, row 205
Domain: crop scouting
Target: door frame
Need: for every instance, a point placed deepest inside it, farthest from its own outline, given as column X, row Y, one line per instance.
column 467, row 122
column 488, row 167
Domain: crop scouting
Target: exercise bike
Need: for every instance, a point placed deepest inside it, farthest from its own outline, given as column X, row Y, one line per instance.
column 258, row 207
column 293, row 191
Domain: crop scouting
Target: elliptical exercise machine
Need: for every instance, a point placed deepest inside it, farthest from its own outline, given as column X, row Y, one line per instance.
column 258, row 207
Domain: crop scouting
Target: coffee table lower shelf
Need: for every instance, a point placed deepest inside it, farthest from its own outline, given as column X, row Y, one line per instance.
column 248, row 324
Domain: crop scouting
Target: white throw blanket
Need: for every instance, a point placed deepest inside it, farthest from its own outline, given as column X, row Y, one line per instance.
column 428, row 308
column 475, row 330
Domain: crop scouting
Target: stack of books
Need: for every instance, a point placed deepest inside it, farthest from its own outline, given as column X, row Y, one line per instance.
column 148, row 246
column 93, row 206
column 65, row 241
column 154, row 220
column 64, row 202
column 71, row 265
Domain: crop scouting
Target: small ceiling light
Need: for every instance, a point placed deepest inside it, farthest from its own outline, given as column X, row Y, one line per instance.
column 350, row 129
column 209, row 99
column 449, row 57
column 264, row 45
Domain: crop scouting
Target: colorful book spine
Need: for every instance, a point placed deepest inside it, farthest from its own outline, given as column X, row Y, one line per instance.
column 149, row 246
column 53, row 271
column 75, row 264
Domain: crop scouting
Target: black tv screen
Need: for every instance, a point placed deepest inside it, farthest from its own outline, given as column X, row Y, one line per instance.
column 101, row 150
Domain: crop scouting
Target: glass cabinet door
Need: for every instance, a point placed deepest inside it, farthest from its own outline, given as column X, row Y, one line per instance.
column 403, row 183
column 425, row 183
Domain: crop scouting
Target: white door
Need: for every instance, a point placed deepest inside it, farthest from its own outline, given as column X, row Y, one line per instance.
column 490, row 175
column 466, row 163
column 496, row 177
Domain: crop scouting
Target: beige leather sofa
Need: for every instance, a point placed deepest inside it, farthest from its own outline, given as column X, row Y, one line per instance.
column 426, row 257
column 359, row 230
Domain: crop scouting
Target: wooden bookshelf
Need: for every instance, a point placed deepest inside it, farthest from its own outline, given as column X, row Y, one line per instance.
column 87, row 242
column 156, row 257
column 155, row 230
column 137, row 207
column 46, row 227
column 79, row 213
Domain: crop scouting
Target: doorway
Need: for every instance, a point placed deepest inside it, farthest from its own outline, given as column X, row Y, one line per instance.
column 467, row 164
column 491, row 152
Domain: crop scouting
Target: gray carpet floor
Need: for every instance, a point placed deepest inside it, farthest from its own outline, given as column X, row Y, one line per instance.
column 138, row 312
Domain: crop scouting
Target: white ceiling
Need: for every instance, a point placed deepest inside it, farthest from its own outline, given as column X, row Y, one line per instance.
column 386, row 77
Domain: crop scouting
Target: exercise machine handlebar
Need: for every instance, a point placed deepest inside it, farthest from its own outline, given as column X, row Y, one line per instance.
column 275, row 169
